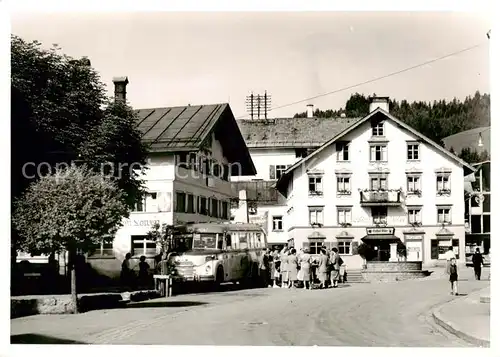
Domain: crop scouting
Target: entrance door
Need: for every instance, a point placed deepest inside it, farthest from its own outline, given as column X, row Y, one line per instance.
column 414, row 251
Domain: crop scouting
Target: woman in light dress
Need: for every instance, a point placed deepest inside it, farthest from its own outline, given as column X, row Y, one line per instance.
column 305, row 269
column 292, row 268
column 284, row 267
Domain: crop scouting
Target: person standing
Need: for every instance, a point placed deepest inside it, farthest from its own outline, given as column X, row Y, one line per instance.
column 477, row 262
column 449, row 255
column 292, row 267
column 127, row 273
column 143, row 272
column 264, row 267
column 454, row 276
column 284, row 267
column 323, row 262
column 336, row 262
column 305, row 269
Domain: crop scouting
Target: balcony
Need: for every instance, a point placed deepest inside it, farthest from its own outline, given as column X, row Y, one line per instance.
column 370, row 198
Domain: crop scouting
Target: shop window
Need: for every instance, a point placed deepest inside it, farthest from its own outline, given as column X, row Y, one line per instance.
column 180, row 202
column 475, row 224
column 190, row 203
column 487, row 203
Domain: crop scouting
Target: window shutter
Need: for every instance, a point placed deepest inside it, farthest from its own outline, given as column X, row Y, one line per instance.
column 305, row 245
column 272, row 172
column 354, row 246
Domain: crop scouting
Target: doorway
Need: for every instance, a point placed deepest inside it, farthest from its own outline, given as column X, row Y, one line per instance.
column 414, row 252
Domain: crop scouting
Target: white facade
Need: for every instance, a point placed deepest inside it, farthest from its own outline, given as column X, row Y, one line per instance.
column 270, row 163
column 175, row 196
column 331, row 206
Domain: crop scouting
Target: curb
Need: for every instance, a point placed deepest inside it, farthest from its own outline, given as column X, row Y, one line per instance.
column 448, row 326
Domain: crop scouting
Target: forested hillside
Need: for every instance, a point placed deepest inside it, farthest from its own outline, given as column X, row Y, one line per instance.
column 435, row 120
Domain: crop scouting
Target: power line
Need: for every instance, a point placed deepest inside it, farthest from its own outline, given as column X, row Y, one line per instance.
column 379, row 78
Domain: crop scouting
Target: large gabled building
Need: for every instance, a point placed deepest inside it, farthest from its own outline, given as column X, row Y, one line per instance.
column 381, row 182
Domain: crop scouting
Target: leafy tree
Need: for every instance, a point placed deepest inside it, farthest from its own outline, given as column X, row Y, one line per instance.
column 60, row 113
column 72, row 210
column 472, row 156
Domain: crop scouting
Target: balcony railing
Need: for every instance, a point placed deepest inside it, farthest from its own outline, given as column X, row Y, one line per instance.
column 380, row 198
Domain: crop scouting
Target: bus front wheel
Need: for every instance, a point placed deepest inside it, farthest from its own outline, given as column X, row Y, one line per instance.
column 219, row 277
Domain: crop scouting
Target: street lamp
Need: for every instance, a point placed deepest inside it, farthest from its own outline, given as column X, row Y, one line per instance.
column 480, row 141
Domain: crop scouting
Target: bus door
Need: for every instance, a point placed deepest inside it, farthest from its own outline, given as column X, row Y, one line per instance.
column 226, row 255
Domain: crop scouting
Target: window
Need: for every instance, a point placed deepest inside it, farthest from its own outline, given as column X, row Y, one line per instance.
column 443, row 183
column 444, row 215
column 315, row 185
column 378, row 129
column 103, row 250
column 378, row 153
column 315, row 215
column 277, row 223
column 344, row 247
column 414, row 215
column 344, row 185
column 142, row 245
column 215, row 208
column 412, row 151
column 202, row 205
column 276, row 171
column 379, row 215
column 193, row 161
column 315, row 246
column 342, row 152
column 439, row 248
column 343, row 215
column 225, row 173
column 486, row 223
column 487, row 203
column 140, row 205
column 413, row 183
column 180, row 202
column 475, row 223
column 207, row 169
column 378, row 183
column 181, row 159
column 225, row 210
column 216, row 168
column 190, row 203
column 300, row 153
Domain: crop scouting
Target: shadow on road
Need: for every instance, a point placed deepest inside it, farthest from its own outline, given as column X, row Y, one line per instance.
column 153, row 304
column 33, row 338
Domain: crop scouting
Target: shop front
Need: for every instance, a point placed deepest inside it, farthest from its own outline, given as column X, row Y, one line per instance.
column 384, row 243
column 442, row 243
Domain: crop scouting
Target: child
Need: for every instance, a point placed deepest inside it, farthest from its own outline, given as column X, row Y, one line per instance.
column 454, row 277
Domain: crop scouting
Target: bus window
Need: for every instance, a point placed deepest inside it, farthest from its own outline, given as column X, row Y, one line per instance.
column 251, row 239
column 228, row 241
column 235, row 240
column 220, row 241
column 204, row 241
column 259, row 240
column 243, row 241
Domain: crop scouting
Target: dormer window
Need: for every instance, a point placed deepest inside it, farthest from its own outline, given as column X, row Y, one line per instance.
column 378, row 129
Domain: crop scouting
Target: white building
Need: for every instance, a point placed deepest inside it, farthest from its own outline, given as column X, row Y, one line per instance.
column 275, row 145
column 194, row 151
column 378, row 181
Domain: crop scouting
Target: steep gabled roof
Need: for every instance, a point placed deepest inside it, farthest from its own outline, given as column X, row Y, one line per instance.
column 282, row 183
column 186, row 128
column 291, row 132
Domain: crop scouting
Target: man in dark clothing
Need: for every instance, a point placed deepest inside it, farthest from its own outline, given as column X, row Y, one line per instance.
column 477, row 262
column 264, row 268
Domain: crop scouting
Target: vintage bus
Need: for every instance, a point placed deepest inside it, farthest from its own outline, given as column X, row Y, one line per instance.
column 218, row 253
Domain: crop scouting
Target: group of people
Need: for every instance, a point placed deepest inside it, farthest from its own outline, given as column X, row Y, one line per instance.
column 288, row 268
column 128, row 275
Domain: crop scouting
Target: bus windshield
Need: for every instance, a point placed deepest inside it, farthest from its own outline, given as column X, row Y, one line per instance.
column 182, row 243
column 204, row 241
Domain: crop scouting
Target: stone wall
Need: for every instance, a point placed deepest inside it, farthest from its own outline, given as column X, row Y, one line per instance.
column 393, row 271
column 393, row 266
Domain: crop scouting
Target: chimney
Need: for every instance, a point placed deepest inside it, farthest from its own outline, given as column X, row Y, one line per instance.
column 379, row 102
column 120, row 89
column 310, row 110
column 241, row 213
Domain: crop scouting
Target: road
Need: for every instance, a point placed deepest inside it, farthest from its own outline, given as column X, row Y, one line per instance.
column 386, row 315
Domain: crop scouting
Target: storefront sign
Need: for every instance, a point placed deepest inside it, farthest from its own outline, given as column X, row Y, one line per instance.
column 414, row 236
column 141, row 222
column 380, row 230
column 260, row 219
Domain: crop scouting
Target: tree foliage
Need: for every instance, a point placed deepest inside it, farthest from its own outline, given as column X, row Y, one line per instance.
column 72, row 209
column 472, row 156
column 435, row 120
column 60, row 114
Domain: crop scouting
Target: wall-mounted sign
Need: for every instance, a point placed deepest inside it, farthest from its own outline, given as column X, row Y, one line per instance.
column 260, row 219
column 380, row 230
column 414, row 236
column 141, row 222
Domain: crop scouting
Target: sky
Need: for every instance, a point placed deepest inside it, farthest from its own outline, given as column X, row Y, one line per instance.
column 203, row 58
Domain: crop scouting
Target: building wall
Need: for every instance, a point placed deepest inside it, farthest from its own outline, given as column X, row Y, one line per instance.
column 164, row 178
column 397, row 164
column 263, row 158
